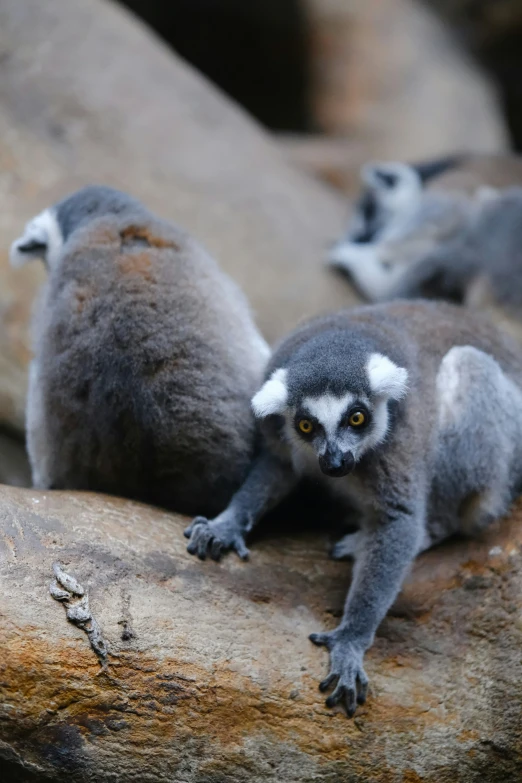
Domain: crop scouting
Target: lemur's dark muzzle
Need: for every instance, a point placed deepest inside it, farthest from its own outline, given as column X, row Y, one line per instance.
column 336, row 463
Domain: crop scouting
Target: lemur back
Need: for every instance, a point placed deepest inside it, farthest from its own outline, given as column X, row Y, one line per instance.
column 146, row 356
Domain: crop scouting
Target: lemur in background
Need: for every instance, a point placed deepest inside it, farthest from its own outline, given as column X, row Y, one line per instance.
column 146, row 357
column 407, row 241
column 411, row 412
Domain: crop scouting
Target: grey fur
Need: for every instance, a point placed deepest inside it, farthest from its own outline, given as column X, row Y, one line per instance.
column 487, row 246
column 440, row 244
column 449, row 460
column 146, row 356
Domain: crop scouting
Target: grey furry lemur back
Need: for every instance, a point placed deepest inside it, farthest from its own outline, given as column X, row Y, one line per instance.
column 146, row 356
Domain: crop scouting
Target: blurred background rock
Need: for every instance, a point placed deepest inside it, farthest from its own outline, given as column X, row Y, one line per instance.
column 342, row 81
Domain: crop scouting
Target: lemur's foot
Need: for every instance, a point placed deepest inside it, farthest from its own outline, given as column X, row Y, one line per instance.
column 346, row 547
column 346, row 670
column 215, row 537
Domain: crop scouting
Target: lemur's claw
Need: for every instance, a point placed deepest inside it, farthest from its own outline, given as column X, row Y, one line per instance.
column 320, row 639
column 346, row 675
column 214, row 538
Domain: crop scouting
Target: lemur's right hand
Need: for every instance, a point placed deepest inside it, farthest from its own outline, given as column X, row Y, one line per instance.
column 216, row 536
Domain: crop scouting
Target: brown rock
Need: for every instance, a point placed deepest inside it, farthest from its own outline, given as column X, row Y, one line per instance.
column 390, row 76
column 335, row 160
column 204, row 670
column 497, row 171
column 87, row 95
column 338, row 162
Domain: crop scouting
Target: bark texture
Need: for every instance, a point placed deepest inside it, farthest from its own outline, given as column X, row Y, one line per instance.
column 209, row 675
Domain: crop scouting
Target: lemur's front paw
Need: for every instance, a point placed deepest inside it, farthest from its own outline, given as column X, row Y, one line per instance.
column 214, row 537
column 346, row 670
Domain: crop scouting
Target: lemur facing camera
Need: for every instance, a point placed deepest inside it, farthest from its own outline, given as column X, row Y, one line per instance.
column 409, row 411
column 146, row 357
column 407, row 241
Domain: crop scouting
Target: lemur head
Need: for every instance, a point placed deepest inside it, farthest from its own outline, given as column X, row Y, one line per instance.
column 334, row 396
column 389, row 189
column 45, row 235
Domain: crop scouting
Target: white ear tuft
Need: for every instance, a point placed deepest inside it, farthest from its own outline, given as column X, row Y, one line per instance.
column 386, row 378
column 485, row 194
column 42, row 239
column 272, row 396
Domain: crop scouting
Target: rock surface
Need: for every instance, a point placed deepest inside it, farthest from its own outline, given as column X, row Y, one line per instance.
column 390, row 76
column 497, row 171
column 492, row 30
column 338, row 162
column 210, row 675
column 89, row 95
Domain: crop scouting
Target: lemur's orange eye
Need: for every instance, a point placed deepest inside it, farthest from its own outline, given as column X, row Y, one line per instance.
column 306, row 426
column 357, row 419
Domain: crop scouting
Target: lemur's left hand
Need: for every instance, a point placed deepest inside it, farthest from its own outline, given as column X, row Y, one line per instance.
column 346, row 670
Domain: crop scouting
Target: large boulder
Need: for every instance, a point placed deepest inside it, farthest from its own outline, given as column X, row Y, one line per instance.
column 87, row 94
column 391, row 77
column 492, row 30
column 204, row 672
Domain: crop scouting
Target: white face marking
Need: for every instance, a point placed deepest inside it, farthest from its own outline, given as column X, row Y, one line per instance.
column 328, row 410
column 398, row 202
column 386, row 378
column 42, row 230
column 272, row 396
column 363, row 262
column 398, row 196
column 379, row 428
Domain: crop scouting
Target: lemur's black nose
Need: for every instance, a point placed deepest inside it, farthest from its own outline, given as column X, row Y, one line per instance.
column 336, row 463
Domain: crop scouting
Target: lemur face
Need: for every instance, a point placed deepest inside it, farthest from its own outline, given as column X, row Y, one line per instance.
column 389, row 191
column 337, row 429
column 391, row 194
column 335, row 425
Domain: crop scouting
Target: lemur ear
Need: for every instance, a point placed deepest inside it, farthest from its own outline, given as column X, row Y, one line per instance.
column 272, row 396
column 41, row 239
column 389, row 176
column 386, row 378
column 486, row 194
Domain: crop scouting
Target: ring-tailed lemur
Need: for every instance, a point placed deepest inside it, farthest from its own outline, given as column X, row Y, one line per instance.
column 146, row 357
column 411, row 412
column 434, row 243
